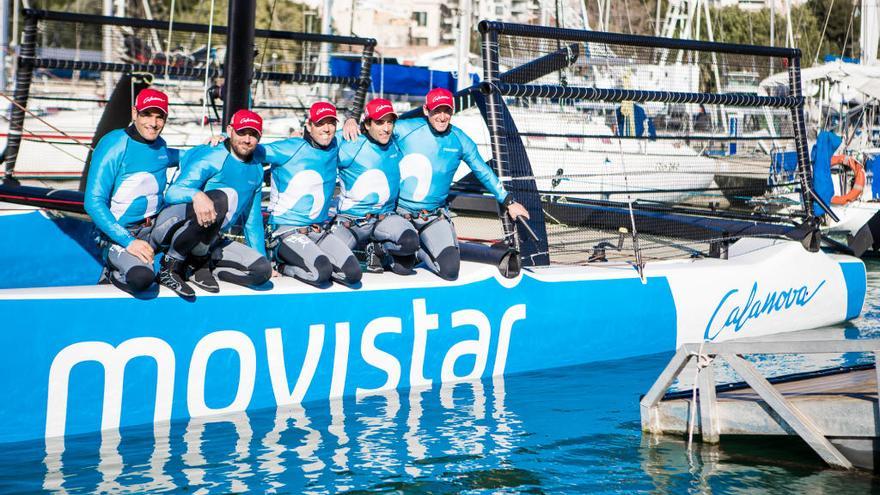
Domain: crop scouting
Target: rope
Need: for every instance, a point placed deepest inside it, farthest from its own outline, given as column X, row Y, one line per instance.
column 59, row 131
column 703, row 361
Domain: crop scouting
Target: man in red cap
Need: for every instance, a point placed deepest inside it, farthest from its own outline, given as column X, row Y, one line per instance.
column 303, row 180
column 369, row 169
column 123, row 194
column 218, row 187
column 433, row 149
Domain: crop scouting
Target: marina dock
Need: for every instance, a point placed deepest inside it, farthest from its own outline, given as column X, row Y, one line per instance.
column 835, row 412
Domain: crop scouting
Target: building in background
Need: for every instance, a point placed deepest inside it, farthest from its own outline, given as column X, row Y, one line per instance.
column 422, row 23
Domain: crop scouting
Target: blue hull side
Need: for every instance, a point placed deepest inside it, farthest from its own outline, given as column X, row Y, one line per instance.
column 546, row 324
column 37, row 251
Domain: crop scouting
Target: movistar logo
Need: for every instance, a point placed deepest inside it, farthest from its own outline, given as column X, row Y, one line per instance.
column 451, row 150
column 755, row 306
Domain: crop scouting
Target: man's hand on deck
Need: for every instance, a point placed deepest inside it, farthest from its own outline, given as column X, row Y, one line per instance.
column 517, row 210
column 141, row 250
column 204, row 209
column 350, row 130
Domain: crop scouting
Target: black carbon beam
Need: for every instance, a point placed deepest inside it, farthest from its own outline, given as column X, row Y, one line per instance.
column 239, row 57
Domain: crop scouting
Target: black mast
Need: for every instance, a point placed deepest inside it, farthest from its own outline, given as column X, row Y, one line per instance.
column 239, row 68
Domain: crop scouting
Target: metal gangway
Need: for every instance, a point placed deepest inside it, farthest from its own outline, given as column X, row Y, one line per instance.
column 836, row 413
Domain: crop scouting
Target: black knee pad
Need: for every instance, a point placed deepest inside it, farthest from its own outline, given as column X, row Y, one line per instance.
column 221, row 202
column 449, row 263
column 139, row 278
column 408, row 242
column 324, row 269
column 352, row 270
column 260, row 271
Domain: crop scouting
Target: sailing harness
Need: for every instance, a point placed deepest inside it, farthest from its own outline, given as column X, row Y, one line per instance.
column 277, row 234
column 429, row 217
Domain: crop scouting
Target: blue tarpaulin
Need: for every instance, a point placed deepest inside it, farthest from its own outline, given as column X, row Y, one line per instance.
column 398, row 79
column 785, row 164
column 872, row 165
column 826, row 144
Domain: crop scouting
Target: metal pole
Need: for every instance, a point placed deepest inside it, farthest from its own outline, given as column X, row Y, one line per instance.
column 464, row 44
column 107, row 45
column 772, row 28
column 23, row 73
column 4, row 41
column 239, row 68
column 325, row 47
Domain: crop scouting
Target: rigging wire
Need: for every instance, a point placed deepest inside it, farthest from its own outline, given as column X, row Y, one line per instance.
column 168, row 43
column 822, row 37
column 43, row 140
column 256, row 82
column 43, row 121
column 204, row 116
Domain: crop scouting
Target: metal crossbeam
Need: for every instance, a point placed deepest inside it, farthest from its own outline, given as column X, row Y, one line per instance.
column 801, row 424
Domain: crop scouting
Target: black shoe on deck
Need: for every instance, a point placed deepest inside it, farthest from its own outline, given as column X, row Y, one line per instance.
column 403, row 265
column 170, row 276
column 202, row 277
column 374, row 255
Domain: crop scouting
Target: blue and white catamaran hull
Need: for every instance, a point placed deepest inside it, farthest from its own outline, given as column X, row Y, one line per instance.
column 80, row 359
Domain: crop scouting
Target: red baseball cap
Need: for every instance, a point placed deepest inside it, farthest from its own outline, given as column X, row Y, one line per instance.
column 322, row 110
column 246, row 119
column 439, row 97
column 378, row 108
column 151, row 98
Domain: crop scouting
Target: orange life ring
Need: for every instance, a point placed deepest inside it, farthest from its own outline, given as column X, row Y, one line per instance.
column 858, row 184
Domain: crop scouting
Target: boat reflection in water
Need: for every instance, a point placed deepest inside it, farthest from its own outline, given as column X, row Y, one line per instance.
column 387, row 437
column 572, row 429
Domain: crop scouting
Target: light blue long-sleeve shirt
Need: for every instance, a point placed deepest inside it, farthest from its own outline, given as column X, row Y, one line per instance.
column 430, row 161
column 126, row 181
column 207, row 168
column 303, row 180
column 370, row 176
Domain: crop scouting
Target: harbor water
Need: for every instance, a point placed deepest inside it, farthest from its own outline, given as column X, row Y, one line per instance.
column 569, row 430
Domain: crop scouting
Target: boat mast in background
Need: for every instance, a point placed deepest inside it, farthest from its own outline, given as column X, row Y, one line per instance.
column 464, row 43
column 239, row 69
column 870, row 31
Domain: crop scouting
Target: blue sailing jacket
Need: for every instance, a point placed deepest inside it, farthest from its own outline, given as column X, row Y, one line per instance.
column 370, row 175
column 303, row 179
column 126, row 181
column 430, row 161
column 206, row 168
